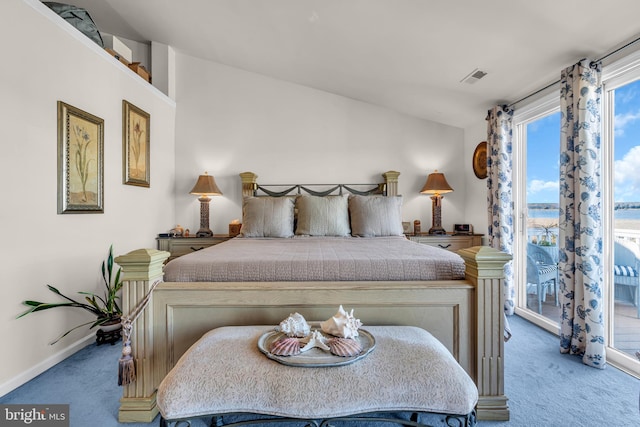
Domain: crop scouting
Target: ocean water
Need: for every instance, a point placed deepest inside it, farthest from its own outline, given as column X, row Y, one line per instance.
column 619, row 214
column 624, row 220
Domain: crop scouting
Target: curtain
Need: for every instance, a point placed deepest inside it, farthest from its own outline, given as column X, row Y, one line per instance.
column 580, row 251
column 500, row 194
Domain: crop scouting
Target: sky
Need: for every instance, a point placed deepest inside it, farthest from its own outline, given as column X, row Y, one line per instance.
column 543, row 138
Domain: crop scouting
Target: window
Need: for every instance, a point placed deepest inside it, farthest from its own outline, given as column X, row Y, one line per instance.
column 537, row 160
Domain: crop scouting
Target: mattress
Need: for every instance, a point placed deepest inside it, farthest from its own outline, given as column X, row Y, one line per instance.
column 316, row 259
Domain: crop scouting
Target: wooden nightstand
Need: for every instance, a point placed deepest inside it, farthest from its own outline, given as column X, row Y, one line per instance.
column 449, row 242
column 179, row 246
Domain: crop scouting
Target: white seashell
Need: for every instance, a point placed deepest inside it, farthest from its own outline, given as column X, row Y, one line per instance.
column 342, row 325
column 316, row 339
column 345, row 347
column 285, row 347
column 294, row 326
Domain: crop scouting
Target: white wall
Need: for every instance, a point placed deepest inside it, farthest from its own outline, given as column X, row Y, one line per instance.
column 476, row 203
column 46, row 60
column 230, row 121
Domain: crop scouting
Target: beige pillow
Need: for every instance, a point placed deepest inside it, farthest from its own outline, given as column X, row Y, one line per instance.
column 267, row 217
column 373, row 216
column 323, row 216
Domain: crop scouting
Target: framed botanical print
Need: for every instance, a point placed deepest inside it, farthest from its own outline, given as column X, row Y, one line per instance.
column 135, row 146
column 80, row 161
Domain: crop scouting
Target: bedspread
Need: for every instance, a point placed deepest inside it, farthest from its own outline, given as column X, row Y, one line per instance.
column 316, row 259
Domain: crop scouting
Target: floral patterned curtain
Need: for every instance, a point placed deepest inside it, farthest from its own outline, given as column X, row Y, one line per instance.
column 580, row 251
column 499, row 192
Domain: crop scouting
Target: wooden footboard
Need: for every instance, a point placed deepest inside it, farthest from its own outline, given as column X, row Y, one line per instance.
column 465, row 315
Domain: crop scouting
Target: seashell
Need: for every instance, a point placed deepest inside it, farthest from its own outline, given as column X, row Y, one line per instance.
column 294, row 326
column 316, row 339
column 285, row 347
column 342, row 324
column 345, row 347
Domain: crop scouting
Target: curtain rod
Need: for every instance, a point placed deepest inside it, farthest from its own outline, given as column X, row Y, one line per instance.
column 632, row 42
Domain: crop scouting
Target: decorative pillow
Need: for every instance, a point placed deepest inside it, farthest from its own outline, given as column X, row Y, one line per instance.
column 267, row 217
column 373, row 216
column 323, row 216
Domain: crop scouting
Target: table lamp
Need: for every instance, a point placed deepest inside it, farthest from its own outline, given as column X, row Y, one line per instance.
column 437, row 185
column 205, row 187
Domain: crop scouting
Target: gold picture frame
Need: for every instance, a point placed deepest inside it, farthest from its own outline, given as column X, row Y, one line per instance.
column 136, row 125
column 80, row 161
column 480, row 160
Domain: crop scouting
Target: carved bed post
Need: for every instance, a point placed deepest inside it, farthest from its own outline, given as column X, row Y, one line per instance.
column 391, row 179
column 140, row 269
column 485, row 269
column 249, row 183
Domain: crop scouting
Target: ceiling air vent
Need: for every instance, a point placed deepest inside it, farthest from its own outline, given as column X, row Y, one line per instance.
column 473, row 76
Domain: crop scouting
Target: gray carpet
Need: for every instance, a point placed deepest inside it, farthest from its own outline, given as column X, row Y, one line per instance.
column 544, row 387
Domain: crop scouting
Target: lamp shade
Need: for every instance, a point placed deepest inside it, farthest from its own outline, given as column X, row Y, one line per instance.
column 206, row 186
column 436, row 184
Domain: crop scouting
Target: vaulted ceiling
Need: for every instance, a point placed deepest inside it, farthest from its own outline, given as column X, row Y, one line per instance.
column 407, row 55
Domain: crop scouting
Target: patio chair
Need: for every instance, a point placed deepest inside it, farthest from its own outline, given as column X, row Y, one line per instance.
column 546, row 267
column 626, row 260
column 539, row 279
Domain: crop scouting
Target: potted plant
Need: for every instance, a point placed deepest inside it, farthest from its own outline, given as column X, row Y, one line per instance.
column 105, row 307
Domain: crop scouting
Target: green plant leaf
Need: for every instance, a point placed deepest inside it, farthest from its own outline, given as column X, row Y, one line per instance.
column 40, row 306
column 110, row 265
column 68, row 332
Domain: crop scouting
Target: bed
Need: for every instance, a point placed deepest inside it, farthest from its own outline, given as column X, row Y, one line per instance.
column 458, row 299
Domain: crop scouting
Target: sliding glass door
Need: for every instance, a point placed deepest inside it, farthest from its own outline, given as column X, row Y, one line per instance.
column 539, row 145
column 623, row 250
column 536, row 153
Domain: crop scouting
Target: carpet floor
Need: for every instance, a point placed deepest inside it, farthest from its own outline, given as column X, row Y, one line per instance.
column 545, row 388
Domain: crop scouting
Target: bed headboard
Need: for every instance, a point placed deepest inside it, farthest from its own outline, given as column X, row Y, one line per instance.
column 250, row 187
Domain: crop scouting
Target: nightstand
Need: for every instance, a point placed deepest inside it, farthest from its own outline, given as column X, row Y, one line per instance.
column 179, row 246
column 449, row 242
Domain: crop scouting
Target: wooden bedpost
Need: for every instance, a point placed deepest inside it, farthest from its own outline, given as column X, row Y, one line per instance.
column 485, row 269
column 249, row 183
column 140, row 269
column 391, row 179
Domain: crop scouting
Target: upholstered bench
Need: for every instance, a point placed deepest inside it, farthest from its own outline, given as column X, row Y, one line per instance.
column 409, row 374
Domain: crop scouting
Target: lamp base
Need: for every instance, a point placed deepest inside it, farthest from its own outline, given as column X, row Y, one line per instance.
column 204, row 232
column 437, row 230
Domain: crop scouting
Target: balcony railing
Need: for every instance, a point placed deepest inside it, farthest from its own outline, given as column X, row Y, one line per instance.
column 627, row 235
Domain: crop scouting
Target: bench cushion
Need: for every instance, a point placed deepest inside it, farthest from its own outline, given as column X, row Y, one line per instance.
column 225, row 372
column 625, row 270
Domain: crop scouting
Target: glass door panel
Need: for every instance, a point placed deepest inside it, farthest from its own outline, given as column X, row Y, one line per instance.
column 542, row 196
column 626, row 220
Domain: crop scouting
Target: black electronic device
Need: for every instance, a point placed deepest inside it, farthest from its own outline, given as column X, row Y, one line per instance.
column 463, row 229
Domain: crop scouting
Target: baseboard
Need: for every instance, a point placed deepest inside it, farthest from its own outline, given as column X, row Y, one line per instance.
column 41, row 367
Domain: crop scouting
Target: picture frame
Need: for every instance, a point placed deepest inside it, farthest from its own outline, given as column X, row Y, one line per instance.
column 80, row 161
column 136, row 125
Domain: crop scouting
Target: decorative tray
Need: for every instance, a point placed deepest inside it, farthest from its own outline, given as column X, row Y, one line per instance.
column 315, row 357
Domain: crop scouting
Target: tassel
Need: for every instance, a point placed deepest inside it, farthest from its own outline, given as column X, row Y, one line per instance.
column 126, row 364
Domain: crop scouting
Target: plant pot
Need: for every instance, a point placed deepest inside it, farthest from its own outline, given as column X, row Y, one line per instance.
column 109, row 332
